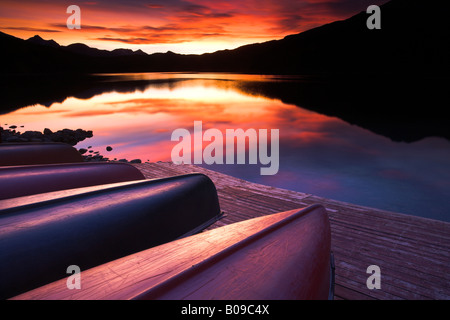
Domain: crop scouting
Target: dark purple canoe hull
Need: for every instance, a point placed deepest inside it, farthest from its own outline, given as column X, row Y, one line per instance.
column 39, row 241
column 27, row 153
column 280, row 256
column 19, row 181
column 288, row 260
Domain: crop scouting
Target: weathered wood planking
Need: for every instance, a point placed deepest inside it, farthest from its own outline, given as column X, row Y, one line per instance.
column 412, row 252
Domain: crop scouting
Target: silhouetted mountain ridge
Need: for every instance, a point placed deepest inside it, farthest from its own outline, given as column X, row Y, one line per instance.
column 38, row 40
column 83, row 49
column 413, row 38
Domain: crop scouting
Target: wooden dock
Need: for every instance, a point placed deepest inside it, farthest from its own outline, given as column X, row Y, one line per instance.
column 413, row 253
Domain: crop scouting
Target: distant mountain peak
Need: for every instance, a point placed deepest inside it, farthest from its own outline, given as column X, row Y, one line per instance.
column 78, row 45
column 140, row 52
column 36, row 39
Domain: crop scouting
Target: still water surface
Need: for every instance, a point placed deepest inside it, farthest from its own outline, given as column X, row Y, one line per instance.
column 319, row 154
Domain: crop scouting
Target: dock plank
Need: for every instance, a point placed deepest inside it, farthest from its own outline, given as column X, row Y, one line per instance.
column 413, row 252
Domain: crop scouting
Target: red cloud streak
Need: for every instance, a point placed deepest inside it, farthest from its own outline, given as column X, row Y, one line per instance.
column 209, row 25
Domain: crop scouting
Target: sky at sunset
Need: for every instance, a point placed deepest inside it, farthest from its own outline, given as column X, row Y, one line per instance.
column 182, row 26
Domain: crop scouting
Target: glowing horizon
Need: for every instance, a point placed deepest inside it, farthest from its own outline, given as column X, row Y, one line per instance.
column 181, row 26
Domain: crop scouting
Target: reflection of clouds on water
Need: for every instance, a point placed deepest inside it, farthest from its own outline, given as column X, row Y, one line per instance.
column 318, row 154
column 357, row 166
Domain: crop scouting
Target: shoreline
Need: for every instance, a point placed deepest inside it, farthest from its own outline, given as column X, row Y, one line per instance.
column 69, row 136
column 90, row 154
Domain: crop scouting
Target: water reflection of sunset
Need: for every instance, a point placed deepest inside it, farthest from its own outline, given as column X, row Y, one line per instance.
column 139, row 124
column 318, row 154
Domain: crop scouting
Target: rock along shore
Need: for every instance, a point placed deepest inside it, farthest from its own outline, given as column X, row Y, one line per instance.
column 68, row 136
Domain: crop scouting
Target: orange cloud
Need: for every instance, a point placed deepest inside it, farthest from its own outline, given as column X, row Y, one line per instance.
column 174, row 24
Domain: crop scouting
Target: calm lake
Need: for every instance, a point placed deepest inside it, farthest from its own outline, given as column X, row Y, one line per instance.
column 136, row 114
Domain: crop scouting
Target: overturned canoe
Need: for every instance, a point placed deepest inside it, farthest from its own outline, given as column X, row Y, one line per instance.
column 33, row 179
column 27, row 153
column 281, row 256
column 39, row 241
